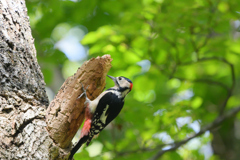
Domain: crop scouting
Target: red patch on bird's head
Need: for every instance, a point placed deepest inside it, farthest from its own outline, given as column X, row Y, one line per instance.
column 131, row 85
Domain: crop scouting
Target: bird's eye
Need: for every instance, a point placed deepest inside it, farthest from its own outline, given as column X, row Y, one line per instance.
column 120, row 78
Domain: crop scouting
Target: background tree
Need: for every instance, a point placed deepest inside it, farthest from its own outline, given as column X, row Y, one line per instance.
column 183, row 58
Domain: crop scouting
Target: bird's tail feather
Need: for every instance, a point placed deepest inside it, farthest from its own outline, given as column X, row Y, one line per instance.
column 78, row 145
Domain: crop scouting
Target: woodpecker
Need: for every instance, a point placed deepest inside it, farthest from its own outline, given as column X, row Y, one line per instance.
column 102, row 110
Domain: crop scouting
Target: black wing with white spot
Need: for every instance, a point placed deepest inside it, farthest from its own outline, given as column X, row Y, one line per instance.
column 107, row 109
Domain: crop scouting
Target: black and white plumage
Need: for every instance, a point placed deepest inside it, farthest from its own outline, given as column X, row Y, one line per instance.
column 102, row 110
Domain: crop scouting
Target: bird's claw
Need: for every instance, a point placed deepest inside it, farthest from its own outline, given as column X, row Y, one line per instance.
column 84, row 91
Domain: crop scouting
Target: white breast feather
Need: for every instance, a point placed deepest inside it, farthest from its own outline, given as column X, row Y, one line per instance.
column 93, row 104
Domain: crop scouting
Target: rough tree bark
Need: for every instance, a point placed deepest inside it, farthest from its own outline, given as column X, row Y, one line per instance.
column 65, row 114
column 23, row 98
column 24, row 133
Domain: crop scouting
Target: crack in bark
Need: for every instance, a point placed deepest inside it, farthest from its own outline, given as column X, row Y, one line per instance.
column 24, row 124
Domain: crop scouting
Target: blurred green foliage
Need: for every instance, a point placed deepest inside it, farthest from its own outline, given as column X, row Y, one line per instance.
column 180, row 56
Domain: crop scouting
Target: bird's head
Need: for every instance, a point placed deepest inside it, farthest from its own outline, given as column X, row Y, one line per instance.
column 122, row 83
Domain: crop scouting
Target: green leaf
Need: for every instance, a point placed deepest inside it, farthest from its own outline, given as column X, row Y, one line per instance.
column 196, row 102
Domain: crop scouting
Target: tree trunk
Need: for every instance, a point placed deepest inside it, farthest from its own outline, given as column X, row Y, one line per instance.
column 24, row 134
column 23, row 98
column 224, row 143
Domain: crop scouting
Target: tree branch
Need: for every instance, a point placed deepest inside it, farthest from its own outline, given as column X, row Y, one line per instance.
column 65, row 113
column 230, row 90
column 143, row 149
column 208, row 81
column 218, row 121
column 211, row 126
column 174, row 45
column 205, row 81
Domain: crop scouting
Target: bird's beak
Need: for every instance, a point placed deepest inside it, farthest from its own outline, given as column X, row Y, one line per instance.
column 113, row 78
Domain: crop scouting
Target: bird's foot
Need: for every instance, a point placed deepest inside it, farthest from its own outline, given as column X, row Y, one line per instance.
column 84, row 91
